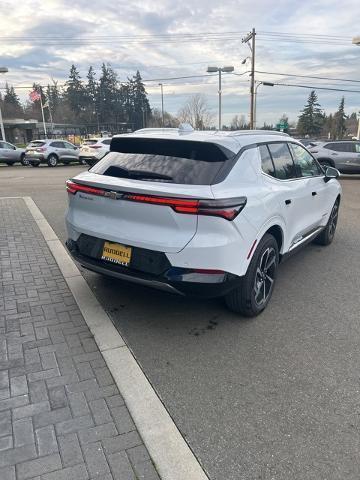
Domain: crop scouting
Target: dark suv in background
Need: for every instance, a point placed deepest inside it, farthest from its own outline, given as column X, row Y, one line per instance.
column 343, row 154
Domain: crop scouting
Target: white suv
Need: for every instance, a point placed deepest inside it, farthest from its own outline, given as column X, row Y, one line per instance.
column 93, row 149
column 201, row 213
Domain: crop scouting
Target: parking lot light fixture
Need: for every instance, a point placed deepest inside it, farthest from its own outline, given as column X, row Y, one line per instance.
column 227, row 69
column 2, row 70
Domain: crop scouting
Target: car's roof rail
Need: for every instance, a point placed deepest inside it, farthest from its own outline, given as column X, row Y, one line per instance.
column 236, row 133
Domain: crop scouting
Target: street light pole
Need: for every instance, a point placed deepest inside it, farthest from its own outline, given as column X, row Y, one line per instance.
column 220, row 70
column 267, row 84
column 219, row 98
column 162, row 104
column 2, row 70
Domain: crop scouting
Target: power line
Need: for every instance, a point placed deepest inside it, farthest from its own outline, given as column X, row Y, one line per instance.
column 315, row 87
column 308, row 76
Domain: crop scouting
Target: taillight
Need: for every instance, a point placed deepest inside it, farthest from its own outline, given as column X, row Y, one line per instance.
column 227, row 208
column 41, row 149
column 95, row 146
column 73, row 188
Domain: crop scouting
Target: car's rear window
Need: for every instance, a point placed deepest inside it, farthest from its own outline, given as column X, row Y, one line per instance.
column 89, row 142
column 176, row 161
column 36, row 144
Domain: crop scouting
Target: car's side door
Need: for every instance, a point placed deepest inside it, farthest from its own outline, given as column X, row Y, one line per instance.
column 289, row 191
column 340, row 154
column 11, row 152
column 313, row 176
column 57, row 147
column 70, row 151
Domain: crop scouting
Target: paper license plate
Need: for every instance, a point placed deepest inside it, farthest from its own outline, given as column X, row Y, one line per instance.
column 116, row 253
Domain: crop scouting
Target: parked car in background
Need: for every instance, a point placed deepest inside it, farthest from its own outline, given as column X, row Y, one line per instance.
column 201, row 213
column 11, row 154
column 93, row 149
column 307, row 142
column 342, row 154
column 52, row 152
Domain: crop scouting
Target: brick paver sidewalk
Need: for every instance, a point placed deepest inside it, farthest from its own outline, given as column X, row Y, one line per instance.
column 61, row 415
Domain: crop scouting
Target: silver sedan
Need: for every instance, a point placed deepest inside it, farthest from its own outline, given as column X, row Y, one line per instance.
column 11, row 154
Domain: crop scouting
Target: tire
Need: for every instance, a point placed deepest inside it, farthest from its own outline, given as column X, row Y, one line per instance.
column 23, row 161
column 327, row 235
column 82, row 161
column 256, row 288
column 52, row 160
column 10, row 163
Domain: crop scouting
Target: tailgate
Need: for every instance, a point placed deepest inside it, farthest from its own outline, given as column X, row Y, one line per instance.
column 144, row 225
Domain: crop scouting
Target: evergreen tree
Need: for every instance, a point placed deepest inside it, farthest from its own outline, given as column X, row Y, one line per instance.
column 140, row 103
column 11, row 103
column 311, row 119
column 108, row 93
column 92, row 104
column 340, row 120
column 75, row 92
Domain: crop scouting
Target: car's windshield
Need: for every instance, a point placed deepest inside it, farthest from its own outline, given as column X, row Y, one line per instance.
column 36, row 143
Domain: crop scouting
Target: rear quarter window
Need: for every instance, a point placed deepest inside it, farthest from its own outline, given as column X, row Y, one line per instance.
column 176, row 161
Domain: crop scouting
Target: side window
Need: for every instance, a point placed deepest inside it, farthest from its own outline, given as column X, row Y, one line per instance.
column 68, row 145
column 267, row 165
column 283, row 162
column 106, row 142
column 331, row 146
column 56, row 144
column 357, row 147
column 305, row 163
column 2, row 145
column 8, row 146
column 346, row 147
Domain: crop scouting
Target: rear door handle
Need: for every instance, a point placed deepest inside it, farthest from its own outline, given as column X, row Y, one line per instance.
column 313, row 194
column 287, row 202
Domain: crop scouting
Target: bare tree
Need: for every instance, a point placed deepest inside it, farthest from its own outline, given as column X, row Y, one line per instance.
column 238, row 122
column 156, row 119
column 196, row 112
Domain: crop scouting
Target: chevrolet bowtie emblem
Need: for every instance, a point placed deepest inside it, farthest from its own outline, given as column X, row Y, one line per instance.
column 113, row 195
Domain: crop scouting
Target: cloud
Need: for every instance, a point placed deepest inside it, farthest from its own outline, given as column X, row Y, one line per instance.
column 90, row 33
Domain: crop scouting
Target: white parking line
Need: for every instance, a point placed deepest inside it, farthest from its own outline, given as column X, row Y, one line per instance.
column 172, row 456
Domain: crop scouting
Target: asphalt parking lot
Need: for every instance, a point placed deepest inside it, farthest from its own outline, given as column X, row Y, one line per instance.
column 276, row 397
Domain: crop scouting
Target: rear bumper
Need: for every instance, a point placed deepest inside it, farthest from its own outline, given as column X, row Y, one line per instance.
column 172, row 279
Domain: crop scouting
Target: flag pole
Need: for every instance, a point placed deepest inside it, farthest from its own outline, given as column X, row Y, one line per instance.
column 42, row 112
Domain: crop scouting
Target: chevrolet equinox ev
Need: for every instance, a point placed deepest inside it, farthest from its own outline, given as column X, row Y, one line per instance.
column 207, row 213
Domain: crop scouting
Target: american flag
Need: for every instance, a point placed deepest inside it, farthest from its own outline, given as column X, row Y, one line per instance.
column 34, row 95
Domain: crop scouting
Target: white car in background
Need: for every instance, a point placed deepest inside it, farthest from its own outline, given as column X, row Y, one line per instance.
column 93, row 149
column 201, row 213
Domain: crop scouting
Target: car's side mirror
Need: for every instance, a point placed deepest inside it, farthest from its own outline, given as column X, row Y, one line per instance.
column 14, row 148
column 330, row 173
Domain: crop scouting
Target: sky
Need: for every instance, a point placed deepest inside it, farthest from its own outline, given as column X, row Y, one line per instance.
column 163, row 39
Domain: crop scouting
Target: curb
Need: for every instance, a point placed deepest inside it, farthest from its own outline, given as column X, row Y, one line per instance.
column 172, row 456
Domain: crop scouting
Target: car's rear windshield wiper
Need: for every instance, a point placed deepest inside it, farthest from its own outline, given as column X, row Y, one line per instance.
column 116, row 171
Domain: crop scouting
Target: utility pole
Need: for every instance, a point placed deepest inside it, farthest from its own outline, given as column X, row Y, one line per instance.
column 162, row 105
column 2, row 70
column 219, row 98
column 251, row 36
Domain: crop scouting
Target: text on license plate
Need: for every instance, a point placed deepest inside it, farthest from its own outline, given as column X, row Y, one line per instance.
column 116, row 253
